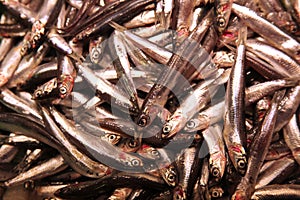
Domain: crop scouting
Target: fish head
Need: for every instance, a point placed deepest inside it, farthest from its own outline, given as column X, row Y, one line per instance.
column 65, row 86
column 112, row 138
column 172, row 126
column 169, row 174
column 223, row 11
column 216, row 192
column 149, row 152
column 48, row 90
column 238, row 156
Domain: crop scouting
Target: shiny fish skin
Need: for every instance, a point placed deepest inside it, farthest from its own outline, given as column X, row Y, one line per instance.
column 189, row 165
column 27, row 67
column 86, row 166
column 267, row 30
column 52, row 166
column 200, row 96
column 234, row 127
column 28, row 160
column 7, row 153
column 158, row 53
column 291, row 135
column 10, row 64
column 108, row 152
column 245, row 188
column 149, row 99
column 258, row 91
column 123, row 68
column 217, row 159
column 289, row 106
column 273, row 56
column 222, row 13
column 184, row 18
column 8, row 98
column 91, row 188
column 280, row 167
column 206, row 118
column 288, row 192
column 165, row 83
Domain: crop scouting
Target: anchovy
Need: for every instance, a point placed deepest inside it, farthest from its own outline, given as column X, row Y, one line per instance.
column 52, row 166
column 246, row 186
column 291, row 135
column 282, row 191
column 277, row 169
column 270, row 32
column 234, row 121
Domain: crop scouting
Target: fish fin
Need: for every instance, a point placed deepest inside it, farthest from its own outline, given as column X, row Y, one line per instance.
column 117, row 26
column 228, row 46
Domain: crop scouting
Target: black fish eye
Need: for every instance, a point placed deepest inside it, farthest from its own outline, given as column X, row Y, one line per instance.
column 221, row 22
column 127, row 163
column 143, row 121
column 178, row 197
column 167, row 129
column 241, row 164
column 215, row 172
column 95, row 54
column 171, row 177
column 215, row 194
column 135, row 162
column 132, row 143
column 111, row 137
column 63, row 90
column 38, row 93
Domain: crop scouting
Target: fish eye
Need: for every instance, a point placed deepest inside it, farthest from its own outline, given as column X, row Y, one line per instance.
column 38, row 93
column 63, row 90
column 215, row 172
column 190, row 124
column 167, row 129
column 95, row 54
column 215, row 194
column 154, row 152
column 132, row 143
column 171, row 177
column 135, row 162
column 127, row 163
column 241, row 164
column 143, row 121
column 221, row 22
column 112, row 137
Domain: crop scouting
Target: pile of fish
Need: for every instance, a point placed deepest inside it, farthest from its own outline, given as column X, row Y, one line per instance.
column 148, row 99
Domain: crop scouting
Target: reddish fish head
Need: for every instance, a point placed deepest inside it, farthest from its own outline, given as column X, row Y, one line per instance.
column 238, row 156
